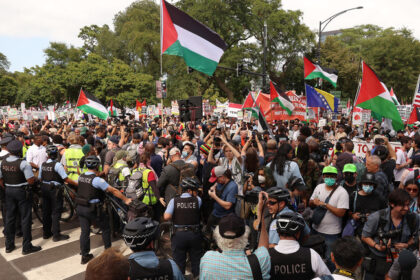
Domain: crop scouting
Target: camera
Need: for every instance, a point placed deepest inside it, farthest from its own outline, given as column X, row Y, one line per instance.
column 324, row 147
column 385, row 236
column 363, row 218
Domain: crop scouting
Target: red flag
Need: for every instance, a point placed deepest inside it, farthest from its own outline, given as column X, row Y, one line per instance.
column 143, row 103
column 111, row 105
column 138, row 106
column 249, row 101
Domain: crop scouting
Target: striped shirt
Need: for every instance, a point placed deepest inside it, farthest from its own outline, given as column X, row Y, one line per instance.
column 233, row 265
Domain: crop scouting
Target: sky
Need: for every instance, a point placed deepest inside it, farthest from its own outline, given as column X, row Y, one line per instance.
column 27, row 26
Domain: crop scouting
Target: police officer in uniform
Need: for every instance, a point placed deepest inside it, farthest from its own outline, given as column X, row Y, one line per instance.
column 90, row 196
column 52, row 176
column 288, row 259
column 184, row 210
column 15, row 176
column 139, row 234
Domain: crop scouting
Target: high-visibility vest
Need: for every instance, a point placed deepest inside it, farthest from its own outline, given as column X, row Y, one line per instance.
column 121, row 165
column 149, row 196
column 73, row 157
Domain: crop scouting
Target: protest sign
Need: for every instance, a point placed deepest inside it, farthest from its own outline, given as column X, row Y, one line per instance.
column 233, row 110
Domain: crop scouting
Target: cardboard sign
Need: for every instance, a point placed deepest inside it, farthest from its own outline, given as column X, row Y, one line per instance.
column 322, row 122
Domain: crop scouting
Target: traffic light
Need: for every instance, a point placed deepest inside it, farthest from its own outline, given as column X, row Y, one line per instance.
column 239, row 69
column 164, row 85
column 190, row 70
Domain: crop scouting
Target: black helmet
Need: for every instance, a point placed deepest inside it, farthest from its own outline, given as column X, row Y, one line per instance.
column 52, row 151
column 190, row 183
column 368, row 178
column 139, row 232
column 290, row 223
column 92, row 162
column 280, row 194
column 296, row 183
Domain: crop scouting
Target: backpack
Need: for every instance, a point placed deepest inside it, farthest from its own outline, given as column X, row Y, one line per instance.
column 185, row 171
column 135, row 185
column 113, row 176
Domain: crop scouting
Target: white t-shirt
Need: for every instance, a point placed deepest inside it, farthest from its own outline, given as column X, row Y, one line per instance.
column 291, row 246
column 331, row 224
column 401, row 159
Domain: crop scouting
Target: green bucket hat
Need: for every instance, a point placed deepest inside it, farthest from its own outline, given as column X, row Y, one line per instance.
column 349, row 167
column 329, row 170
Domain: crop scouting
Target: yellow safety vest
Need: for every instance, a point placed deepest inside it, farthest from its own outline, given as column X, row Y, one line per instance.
column 149, row 196
column 121, row 165
column 73, row 157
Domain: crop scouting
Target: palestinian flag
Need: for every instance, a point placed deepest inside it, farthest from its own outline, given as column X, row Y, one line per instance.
column 262, row 122
column 280, row 97
column 249, row 102
column 394, row 98
column 89, row 104
column 313, row 71
column 113, row 109
column 373, row 95
column 183, row 36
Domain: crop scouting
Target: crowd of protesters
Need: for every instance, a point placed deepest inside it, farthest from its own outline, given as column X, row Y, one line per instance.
column 290, row 202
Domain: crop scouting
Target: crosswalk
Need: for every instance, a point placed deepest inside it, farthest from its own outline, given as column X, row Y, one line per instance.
column 56, row 260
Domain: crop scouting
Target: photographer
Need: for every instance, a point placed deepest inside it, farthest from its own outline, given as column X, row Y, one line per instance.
column 389, row 230
column 363, row 202
column 223, row 193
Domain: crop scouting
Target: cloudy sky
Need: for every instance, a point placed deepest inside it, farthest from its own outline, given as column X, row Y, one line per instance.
column 27, row 26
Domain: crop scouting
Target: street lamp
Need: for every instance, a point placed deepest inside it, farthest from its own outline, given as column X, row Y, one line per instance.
column 325, row 23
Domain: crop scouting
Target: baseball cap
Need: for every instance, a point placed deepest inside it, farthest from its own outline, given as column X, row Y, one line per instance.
column 329, row 170
column 216, row 172
column 231, row 226
column 174, row 151
column 114, row 139
column 349, row 167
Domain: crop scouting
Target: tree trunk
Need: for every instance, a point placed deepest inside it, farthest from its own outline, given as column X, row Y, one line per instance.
column 223, row 87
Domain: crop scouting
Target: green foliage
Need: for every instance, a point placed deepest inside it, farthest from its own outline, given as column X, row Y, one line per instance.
column 4, row 63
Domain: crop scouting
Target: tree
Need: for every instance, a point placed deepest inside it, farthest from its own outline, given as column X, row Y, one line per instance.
column 4, row 63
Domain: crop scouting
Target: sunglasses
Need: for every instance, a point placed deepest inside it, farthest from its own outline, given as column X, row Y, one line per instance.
column 413, row 190
column 272, row 202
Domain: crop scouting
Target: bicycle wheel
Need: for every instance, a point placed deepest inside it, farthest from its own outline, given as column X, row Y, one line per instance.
column 37, row 206
column 68, row 209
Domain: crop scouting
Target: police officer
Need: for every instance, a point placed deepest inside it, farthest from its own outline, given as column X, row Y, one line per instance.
column 184, row 210
column 90, row 196
column 139, row 234
column 288, row 259
column 16, row 175
column 52, row 176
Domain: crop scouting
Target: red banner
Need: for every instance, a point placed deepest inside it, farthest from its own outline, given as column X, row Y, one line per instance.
column 276, row 112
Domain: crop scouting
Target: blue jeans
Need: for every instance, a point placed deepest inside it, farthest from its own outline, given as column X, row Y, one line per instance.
column 329, row 241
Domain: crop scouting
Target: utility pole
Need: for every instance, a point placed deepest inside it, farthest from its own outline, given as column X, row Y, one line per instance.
column 264, row 66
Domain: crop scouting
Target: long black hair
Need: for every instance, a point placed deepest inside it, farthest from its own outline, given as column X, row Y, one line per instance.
column 280, row 159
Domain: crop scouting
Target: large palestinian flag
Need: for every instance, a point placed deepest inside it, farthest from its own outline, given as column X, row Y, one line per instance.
column 280, row 97
column 89, row 104
column 374, row 95
column 313, row 71
column 183, row 36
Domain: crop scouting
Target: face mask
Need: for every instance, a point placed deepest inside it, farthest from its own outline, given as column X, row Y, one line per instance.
column 329, row 181
column 261, row 179
column 184, row 154
column 367, row 189
column 349, row 178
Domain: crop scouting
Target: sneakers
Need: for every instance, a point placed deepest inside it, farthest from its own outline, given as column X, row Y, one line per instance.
column 86, row 259
column 60, row 237
column 31, row 249
column 11, row 249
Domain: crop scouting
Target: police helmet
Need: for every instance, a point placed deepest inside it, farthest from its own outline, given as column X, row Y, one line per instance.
column 52, row 151
column 190, row 183
column 368, row 178
column 290, row 223
column 280, row 194
column 92, row 162
column 139, row 232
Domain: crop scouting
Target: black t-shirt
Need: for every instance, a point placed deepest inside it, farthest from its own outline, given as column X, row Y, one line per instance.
column 368, row 203
column 350, row 189
column 388, row 168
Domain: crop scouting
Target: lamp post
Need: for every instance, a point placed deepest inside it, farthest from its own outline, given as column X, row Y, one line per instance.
column 323, row 24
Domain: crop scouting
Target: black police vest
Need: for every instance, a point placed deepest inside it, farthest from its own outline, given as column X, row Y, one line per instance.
column 295, row 266
column 48, row 173
column 12, row 175
column 186, row 211
column 162, row 272
column 86, row 190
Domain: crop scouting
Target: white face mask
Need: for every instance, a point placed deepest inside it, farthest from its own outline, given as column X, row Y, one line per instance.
column 261, row 179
